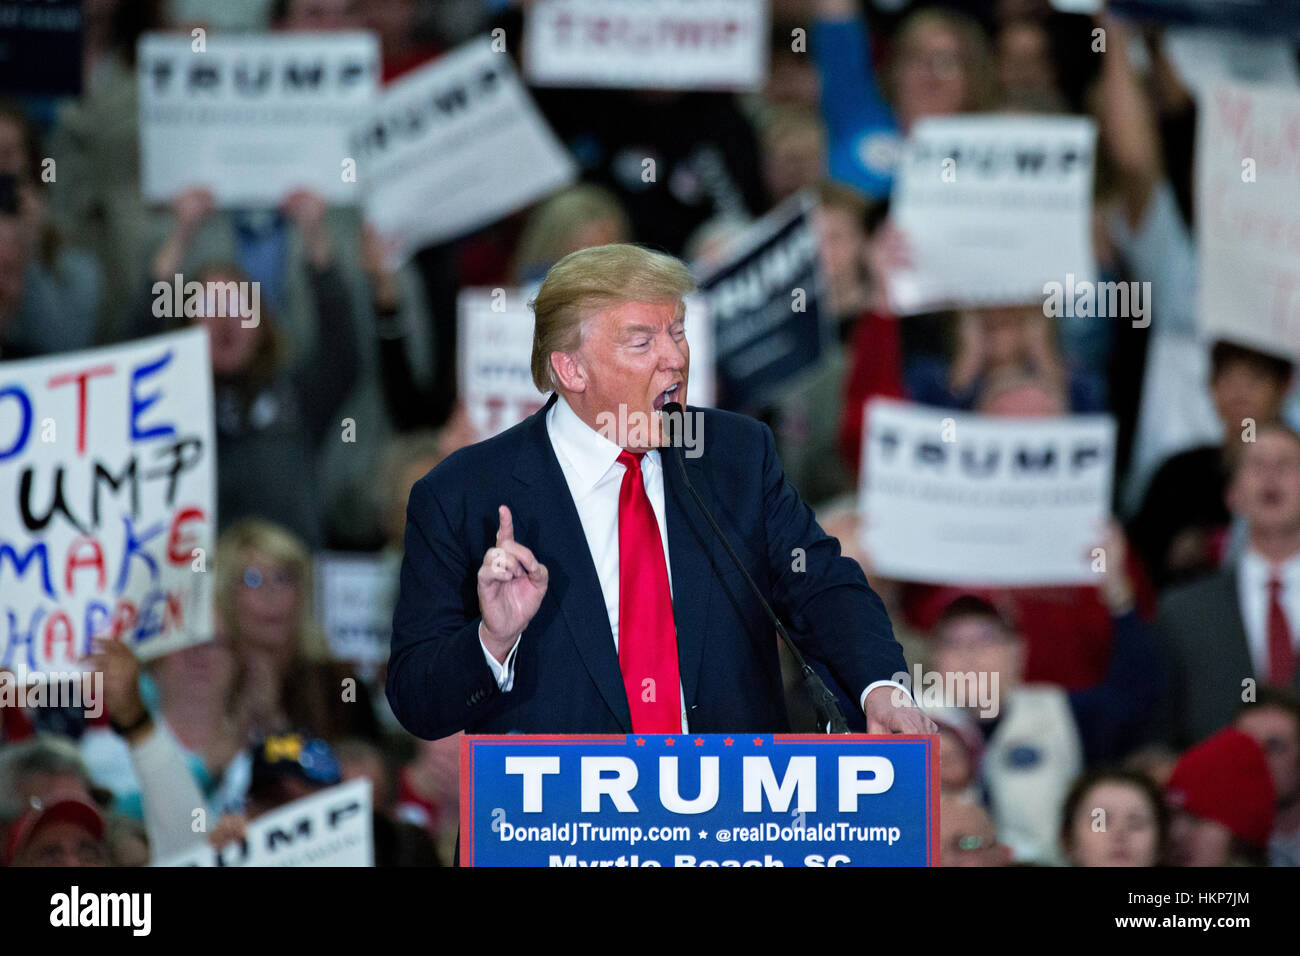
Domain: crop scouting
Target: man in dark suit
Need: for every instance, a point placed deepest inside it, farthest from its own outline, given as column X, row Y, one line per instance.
column 1238, row 628
column 557, row 578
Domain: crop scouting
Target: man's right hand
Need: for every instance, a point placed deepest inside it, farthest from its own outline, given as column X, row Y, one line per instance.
column 511, row 585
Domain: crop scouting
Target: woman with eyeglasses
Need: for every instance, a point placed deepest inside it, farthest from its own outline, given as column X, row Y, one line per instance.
column 940, row 64
column 264, row 594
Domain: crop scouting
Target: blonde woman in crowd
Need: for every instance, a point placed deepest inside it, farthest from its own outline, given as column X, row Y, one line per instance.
column 264, row 593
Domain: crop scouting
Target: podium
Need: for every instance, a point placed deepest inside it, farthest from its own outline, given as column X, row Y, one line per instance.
column 728, row 800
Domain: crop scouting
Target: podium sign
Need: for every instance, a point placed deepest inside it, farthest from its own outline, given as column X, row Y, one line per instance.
column 699, row 800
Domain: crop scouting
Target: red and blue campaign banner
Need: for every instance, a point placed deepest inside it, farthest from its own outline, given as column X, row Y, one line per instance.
column 699, row 800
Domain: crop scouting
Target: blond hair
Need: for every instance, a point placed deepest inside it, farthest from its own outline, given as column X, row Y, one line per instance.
column 552, row 229
column 778, row 121
column 836, row 195
column 282, row 547
column 399, row 455
column 588, row 280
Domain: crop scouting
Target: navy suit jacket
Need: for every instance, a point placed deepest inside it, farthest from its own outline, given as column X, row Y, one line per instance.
column 567, row 678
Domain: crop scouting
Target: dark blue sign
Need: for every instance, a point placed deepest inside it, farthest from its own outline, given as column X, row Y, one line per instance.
column 1263, row 17
column 765, row 307
column 41, row 47
column 699, row 800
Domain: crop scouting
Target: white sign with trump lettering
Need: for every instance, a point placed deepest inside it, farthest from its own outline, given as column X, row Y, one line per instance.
column 957, row 498
column 992, row 208
column 647, row 44
column 252, row 118
column 453, row 146
column 334, row 827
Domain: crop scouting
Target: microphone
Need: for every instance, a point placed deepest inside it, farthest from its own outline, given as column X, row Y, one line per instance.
column 830, row 719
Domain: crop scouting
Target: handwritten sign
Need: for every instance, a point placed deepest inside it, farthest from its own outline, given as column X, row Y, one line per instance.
column 1248, row 198
column 107, row 506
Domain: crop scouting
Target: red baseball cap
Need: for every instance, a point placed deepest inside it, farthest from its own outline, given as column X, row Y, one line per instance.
column 69, row 809
column 1225, row 778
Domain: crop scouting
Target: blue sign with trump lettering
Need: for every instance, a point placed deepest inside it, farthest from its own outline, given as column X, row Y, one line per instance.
column 699, row 800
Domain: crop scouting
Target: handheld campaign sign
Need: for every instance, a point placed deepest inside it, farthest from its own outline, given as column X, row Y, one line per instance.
column 355, row 594
column 453, row 146
column 647, row 44
column 107, row 501
column 40, row 47
column 1271, row 18
column 253, row 117
column 333, row 827
column 993, row 208
column 768, row 321
column 699, row 800
column 960, row 498
column 1247, row 190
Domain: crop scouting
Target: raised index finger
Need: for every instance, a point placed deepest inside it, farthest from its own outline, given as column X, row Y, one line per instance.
column 506, row 527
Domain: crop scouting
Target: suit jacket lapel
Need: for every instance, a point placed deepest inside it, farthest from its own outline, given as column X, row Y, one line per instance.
column 573, row 583
column 1237, row 659
column 691, row 555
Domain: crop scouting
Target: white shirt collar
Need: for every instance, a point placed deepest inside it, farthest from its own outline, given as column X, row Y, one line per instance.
column 589, row 454
column 1258, row 571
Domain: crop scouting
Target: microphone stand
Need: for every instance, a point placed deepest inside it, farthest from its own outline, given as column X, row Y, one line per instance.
column 830, row 719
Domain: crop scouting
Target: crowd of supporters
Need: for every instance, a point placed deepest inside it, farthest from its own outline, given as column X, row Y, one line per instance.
column 1149, row 720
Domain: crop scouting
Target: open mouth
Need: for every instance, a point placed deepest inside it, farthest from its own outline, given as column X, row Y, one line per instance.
column 666, row 396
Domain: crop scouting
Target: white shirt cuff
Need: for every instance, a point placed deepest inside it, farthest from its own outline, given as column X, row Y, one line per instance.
column 862, row 701
column 504, row 673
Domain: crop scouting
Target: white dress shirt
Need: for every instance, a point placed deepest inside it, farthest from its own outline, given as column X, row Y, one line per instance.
column 1253, row 574
column 590, row 465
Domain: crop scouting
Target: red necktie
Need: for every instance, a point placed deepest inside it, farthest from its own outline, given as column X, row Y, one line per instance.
column 1281, row 655
column 647, row 637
